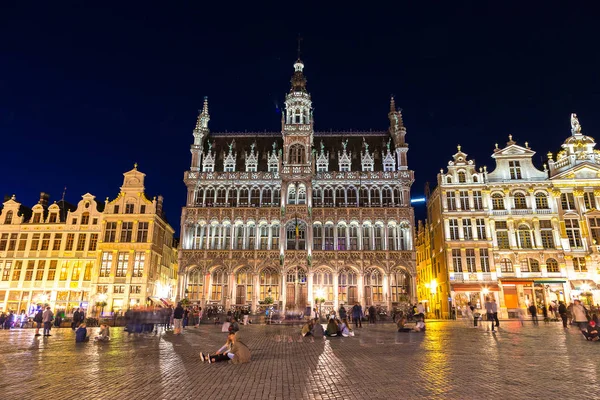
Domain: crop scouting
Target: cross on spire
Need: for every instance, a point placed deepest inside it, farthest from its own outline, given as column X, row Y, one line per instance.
column 299, row 42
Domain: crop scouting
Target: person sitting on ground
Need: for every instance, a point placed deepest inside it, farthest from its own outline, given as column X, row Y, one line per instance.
column 317, row 329
column 81, row 334
column 306, row 329
column 419, row 326
column 234, row 326
column 233, row 350
column 332, row 327
column 402, row 325
column 343, row 328
column 592, row 332
column 104, row 334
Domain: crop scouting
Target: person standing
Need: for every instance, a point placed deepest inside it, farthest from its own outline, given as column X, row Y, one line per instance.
column 495, row 312
column 474, row 313
column 562, row 310
column 342, row 312
column 38, row 319
column 75, row 322
column 579, row 315
column 357, row 314
column 47, row 318
column 533, row 312
column 489, row 312
column 372, row 315
column 178, row 318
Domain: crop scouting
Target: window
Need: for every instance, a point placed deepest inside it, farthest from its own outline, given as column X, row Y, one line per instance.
column 541, row 201
column 520, row 201
column 81, row 242
column 275, row 237
column 255, row 197
column 116, row 209
column 567, row 201
column 87, row 274
column 53, row 218
column 135, row 289
column 12, row 243
column 8, row 218
column 128, row 208
column 64, row 272
column 578, row 264
column 251, row 231
column 386, row 194
column 22, row 241
column 85, row 218
column 143, row 209
column 239, row 237
column 502, row 235
column 524, row 237
column 56, row 243
column 3, row 241
column 464, row 200
column 110, row 232
column 573, row 233
column 477, row 200
column 100, row 289
column 76, row 272
column 219, row 284
column 363, row 195
column 269, row 284
column 119, row 289
column 456, row 260
column 497, row 201
column 35, row 242
column 470, row 258
column 126, row 232
column 552, row 265
column 451, row 201
column 534, row 265
column 45, row 241
column 366, row 237
column 106, row 266
column 296, row 154
column 328, row 197
column 506, row 265
column 480, row 226
column 244, row 193
column 515, row 169
column 122, row 264
column 547, row 234
column 453, row 223
column 328, row 237
column 52, row 270
column 142, row 232
column 6, row 271
column 353, row 233
column 589, row 200
column 467, row 229
column 378, row 231
column 70, row 241
column 462, row 177
column 484, row 260
column 17, row 270
column 93, row 242
column 341, row 237
column 375, row 199
column 29, row 270
column 301, row 194
column 37, row 217
column 317, row 237
column 74, row 221
column 39, row 273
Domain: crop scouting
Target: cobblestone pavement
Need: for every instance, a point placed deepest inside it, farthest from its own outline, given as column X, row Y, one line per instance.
column 449, row 361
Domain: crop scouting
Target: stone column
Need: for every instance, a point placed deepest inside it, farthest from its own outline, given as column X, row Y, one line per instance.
column 335, row 291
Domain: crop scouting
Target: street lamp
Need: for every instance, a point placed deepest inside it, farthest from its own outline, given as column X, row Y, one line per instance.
column 320, row 299
column 433, row 292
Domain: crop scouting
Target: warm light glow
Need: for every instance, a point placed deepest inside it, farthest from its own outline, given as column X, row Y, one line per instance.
column 485, row 291
column 320, row 293
column 433, row 285
column 585, row 287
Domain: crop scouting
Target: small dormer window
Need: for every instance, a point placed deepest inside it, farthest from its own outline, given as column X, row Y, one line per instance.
column 36, row 218
column 515, row 169
column 95, row 221
column 74, row 221
column 116, row 209
column 345, row 167
column 143, row 209
column 53, row 218
column 321, row 168
column 8, row 218
column 85, row 219
column 128, row 208
column 208, row 168
column 273, row 168
column 229, row 168
column 462, row 177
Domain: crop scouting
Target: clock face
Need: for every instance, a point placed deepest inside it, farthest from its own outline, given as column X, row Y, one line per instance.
column 133, row 181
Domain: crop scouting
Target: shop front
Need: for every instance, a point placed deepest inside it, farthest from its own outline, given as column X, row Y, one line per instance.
column 475, row 294
column 520, row 294
column 585, row 290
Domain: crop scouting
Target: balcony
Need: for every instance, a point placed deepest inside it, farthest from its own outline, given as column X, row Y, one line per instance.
column 522, row 211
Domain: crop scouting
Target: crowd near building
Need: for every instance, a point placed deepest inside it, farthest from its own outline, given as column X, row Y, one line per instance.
column 98, row 256
column 517, row 234
column 298, row 218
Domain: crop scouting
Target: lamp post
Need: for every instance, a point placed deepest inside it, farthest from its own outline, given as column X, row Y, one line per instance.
column 433, row 293
column 320, row 299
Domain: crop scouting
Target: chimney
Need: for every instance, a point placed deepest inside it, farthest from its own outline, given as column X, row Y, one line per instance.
column 159, row 205
column 44, row 197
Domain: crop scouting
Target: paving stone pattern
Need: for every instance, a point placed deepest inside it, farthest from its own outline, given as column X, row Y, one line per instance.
column 450, row 360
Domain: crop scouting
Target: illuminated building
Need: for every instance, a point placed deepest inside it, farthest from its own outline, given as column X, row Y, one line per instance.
column 299, row 214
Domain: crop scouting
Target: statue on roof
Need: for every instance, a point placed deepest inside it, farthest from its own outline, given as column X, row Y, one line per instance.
column 389, row 144
column 366, row 145
column 345, row 144
column 274, row 146
column 230, row 145
column 575, row 126
column 252, row 146
column 209, row 146
column 322, row 147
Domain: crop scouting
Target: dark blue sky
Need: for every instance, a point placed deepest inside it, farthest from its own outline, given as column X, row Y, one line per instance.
column 86, row 92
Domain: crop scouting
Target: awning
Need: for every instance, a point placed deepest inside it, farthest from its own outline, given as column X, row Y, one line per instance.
column 584, row 284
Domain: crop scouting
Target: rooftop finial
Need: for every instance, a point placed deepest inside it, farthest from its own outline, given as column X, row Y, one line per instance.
column 135, row 165
column 575, row 126
column 392, row 104
column 458, row 147
column 205, row 107
column 299, row 42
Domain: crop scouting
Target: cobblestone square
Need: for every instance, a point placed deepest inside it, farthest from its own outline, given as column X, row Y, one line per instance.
column 449, row 361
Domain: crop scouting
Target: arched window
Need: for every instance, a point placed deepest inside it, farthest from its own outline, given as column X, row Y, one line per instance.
column 266, row 197
column 399, row 285
column 375, row 199
column 386, row 194
column 232, row 197
column 199, row 196
column 552, row 265
column 239, row 237
column 398, row 200
column 534, row 265
column 475, row 179
column 195, row 285
column 520, row 201
column 263, row 230
column 243, row 202
column 251, row 236
column 448, row 179
column 210, row 196
column 255, row 197
column 291, row 194
column 275, row 237
column 221, row 195
column 323, row 284
column 243, row 280
column 269, row 284
column 340, row 196
column 317, row 197
column 352, row 197
column 296, row 235
column 462, row 177
column 373, row 286
column 353, row 235
column 506, row 265
column 8, row 218
column 391, row 238
column 497, row 201
column 226, row 236
column 366, row 237
column 525, row 237
column 541, row 201
column 276, row 196
column 297, row 154
column 328, row 197
column 363, row 197
column 378, row 233
column 219, row 284
column 301, row 194
column 347, row 286
column 329, row 245
column 85, row 218
column 317, row 236
column 341, row 237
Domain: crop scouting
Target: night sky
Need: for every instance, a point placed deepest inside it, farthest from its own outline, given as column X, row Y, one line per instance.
column 87, row 92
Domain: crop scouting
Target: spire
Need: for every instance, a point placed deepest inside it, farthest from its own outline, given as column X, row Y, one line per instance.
column 298, row 80
column 392, row 104
column 203, row 117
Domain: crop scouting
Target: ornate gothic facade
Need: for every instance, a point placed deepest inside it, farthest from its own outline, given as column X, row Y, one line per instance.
column 298, row 215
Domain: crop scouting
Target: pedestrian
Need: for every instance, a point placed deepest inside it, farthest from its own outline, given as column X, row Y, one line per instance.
column 521, row 315
column 245, row 316
column 38, row 319
column 186, row 317
column 2, row 319
column 495, row 312
column 177, row 318
column 81, row 334
column 75, row 322
column 421, row 311
column 533, row 312
column 233, row 350
column 357, row 314
column 314, row 314
column 22, row 319
column 545, row 314
column 342, row 313
column 562, row 310
column 372, row 314
column 474, row 313
column 579, row 315
column 199, row 317
column 489, row 311
column 47, row 318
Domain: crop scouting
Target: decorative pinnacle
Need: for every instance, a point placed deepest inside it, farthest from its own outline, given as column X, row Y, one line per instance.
column 135, row 165
column 392, row 104
column 205, row 108
column 458, row 147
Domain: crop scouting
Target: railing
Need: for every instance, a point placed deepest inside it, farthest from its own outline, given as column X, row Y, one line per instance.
column 500, row 212
column 521, row 211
